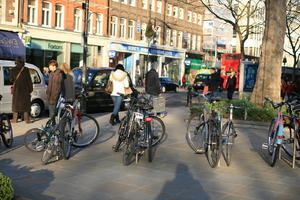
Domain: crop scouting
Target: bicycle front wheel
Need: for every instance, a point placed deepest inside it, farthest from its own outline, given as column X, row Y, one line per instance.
column 228, row 135
column 271, row 136
column 86, row 130
column 158, row 129
column 7, row 132
column 213, row 143
column 34, row 139
column 121, row 134
column 195, row 133
column 150, row 140
column 65, row 137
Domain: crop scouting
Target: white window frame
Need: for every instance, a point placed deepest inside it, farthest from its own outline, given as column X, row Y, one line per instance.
column 143, row 31
column 32, row 13
column 158, row 33
column 188, row 41
column 131, row 30
column 124, row 1
column 61, row 15
column 168, row 37
column 189, row 16
column 169, row 10
column 194, row 42
column 158, row 6
column 113, row 26
column 174, row 38
column 90, row 22
column 45, row 11
column 99, row 24
column 200, row 19
column 153, row 5
column 180, row 39
column 145, row 4
column 175, row 11
column 199, row 43
column 122, row 28
column 78, row 27
column 132, row 3
column 181, row 13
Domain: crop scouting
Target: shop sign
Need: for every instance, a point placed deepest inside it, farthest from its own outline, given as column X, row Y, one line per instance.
column 187, row 62
column 47, row 45
column 112, row 54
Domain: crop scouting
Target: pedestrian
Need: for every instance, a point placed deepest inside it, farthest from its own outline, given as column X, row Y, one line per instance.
column 54, row 86
column 214, row 83
column 152, row 85
column 283, row 88
column 230, row 85
column 46, row 73
column 68, row 86
column 21, row 90
column 120, row 81
column 183, row 81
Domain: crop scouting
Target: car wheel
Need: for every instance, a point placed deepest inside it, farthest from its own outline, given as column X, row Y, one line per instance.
column 36, row 109
column 176, row 89
column 163, row 89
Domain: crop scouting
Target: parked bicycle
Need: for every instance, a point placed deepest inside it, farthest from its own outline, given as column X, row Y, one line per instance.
column 6, row 131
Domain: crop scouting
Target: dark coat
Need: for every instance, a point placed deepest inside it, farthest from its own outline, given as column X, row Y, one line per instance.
column 152, row 83
column 54, row 86
column 214, row 82
column 231, row 82
column 21, row 99
column 68, row 88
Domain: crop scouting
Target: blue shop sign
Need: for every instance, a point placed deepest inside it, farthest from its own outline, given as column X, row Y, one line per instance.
column 11, row 46
column 112, row 54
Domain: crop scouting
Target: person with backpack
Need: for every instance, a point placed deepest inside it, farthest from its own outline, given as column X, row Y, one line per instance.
column 152, row 86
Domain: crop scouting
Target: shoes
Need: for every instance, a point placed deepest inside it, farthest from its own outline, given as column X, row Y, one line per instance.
column 112, row 120
column 117, row 119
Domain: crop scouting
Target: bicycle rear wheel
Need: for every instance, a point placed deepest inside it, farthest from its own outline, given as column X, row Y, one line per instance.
column 214, row 141
column 291, row 138
column 122, row 133
column 86, row 130
column 131, row 144
column 158, row 129
column 7, row 132
column 34, row 139
column 65, row 137
column 228, row 135
column 271, row 136
column 196, row 133
column 150, row 144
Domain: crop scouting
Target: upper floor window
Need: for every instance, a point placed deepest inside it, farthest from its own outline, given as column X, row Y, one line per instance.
column 195, row 18
column 132, row 2
column 122, row 27
column 194, row 40
column 99, row 24
column 158, row 6
column 199, row 19
column 189, row 41
column 152, row 5
column 199, row 43
column 189, row 16
column 113, row 26
column 46, row 14
column 90, row 23
column 168, row 37
column 180, row 38
column 77, row 19
column 181, row 13
column 174, row 38
column 157, row 35
column 124, row 1
column 143, row 31
column 59, row 16
column 169, row 10
column 175, row 11
column 145, row 4
column 131, row 30
column 32, row 11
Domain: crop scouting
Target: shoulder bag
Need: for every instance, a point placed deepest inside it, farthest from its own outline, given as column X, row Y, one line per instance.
column 12, row 88
column 109, row 87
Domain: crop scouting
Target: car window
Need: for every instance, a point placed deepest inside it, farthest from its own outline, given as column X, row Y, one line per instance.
column 101, row 79
column 6, row 75
column 35, row 77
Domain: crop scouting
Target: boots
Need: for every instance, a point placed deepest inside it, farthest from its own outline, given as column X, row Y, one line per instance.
column 27, row 118
column 15, row 118
column 112, row 120
column 117, row 119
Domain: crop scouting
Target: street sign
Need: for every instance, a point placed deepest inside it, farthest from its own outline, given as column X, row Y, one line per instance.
column 138, row 26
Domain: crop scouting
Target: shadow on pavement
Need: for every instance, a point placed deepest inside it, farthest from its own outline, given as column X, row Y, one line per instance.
column 24, row 178
column 174, row 187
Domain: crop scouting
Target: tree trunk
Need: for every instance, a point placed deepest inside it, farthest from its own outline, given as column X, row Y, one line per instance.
column 242, row 45
column 268, row 80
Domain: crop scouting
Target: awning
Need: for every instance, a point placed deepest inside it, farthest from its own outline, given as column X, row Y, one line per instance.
column 11, row 46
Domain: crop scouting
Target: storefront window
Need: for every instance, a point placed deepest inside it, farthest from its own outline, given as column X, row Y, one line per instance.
column 41, row 57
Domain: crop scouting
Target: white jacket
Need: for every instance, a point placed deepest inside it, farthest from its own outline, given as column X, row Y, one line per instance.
column 120, row 82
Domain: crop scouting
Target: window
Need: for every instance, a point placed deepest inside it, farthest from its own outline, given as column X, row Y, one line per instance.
column 99, row 24
column 99, row 50
column 194, row 40
column 180, row 38
column 90, row 23
column 145, row 4
column 32, row 11
column 35, row 78
column 124, row 1
column 199, row 19
column 100, row 80
column 158, row 6
column 195, row 18
column 113, row 26
column 174, row 38
column 46, row 14
column 175, row 11
column 132, row 2
column 189, row 41
column 77, row 20
column 199, row 43
column 169, row 11
column 143, row 31
column 189, row 16
column 168, row 37
column 59, row 16
column 131, row 30
column 157, row 36
column 181, row 13
column 122, row 27
column 152, row 5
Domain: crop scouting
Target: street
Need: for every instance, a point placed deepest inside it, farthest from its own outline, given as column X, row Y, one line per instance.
column 96, row 172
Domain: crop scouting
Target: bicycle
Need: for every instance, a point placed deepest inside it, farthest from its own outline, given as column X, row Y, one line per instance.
column 6, row 131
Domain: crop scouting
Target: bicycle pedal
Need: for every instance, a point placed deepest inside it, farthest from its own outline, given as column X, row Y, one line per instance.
column 265, row 146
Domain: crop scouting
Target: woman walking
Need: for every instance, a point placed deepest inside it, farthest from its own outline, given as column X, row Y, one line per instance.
column 120, row 82
column 231, row 82
column 68, row 87
column 21, row 90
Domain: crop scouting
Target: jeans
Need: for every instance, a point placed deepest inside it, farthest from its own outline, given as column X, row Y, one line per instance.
column 117, row 104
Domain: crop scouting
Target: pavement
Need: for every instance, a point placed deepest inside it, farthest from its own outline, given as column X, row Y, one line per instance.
column 176, row 173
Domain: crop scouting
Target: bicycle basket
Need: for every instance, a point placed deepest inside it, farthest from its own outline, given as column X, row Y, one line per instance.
column 159, row 105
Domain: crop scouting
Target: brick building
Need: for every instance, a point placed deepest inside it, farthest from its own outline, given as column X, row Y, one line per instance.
column 9, row 15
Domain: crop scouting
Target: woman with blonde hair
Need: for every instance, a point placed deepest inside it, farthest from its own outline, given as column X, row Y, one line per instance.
column 68, row 88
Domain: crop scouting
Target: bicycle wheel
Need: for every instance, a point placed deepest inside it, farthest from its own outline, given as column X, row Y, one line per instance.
column 291, row 138
column 149, row 142
column 86, row 130
column 275, row 154
column 130, row 147
column 65, row 137
column 34, row 139
column 6, row 131
column 122, row 133
column 213, row 143
column 271, row 136
column 195, row 133
column 48, row 153
column 228, row 135
column 158, row 129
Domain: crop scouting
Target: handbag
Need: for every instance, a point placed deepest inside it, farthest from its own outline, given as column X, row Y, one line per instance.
column 12, row 88
column 128, row 91
column 109, row 87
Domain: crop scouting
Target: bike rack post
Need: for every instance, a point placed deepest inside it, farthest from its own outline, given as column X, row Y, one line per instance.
column 294, row 152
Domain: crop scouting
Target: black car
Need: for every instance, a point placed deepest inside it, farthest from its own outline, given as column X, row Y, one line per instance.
column 200, row 81
column 168, row 85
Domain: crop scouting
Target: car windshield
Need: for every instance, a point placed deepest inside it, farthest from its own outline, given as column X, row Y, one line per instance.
column 78, row 73
column 202, row 77
column 166, row 79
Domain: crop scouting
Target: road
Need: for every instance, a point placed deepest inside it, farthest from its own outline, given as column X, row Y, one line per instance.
column 97, row 172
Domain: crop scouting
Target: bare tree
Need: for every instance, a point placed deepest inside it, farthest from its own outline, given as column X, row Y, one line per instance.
column 293, row 31
column 239, row 13
column 268, row 78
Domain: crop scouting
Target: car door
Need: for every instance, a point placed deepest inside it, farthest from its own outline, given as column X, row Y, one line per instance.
column 6, row 102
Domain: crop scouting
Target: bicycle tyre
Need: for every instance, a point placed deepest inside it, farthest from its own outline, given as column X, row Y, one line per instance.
column 48, row 153
column 7, row 132
column 227, row 141
column 65, row 137
column 213, row 144
column 275, row 155
column 82, row 138
column 130, row 147
column 271, row 137
column 292, row 138
column 195, row 134
column 150, row 145
column 34, row 140
column 159, row 130
column 121, row 134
